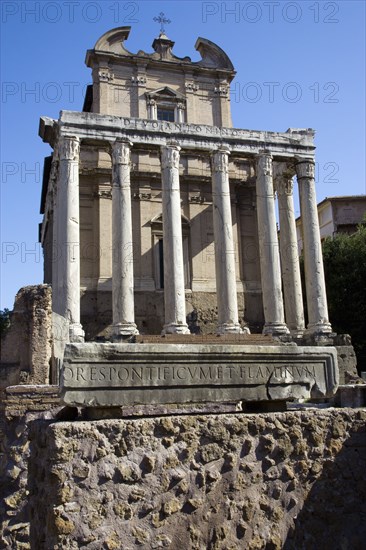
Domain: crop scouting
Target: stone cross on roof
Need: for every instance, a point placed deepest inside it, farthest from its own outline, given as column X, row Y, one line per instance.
column 163, row 21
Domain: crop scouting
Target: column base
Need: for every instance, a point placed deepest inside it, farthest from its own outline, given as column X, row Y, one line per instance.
column 175, row 328
column 275, row 329
column 232, row 328
column 319, row 328
column 297, row 332
column 76, row 333
column 121, row 331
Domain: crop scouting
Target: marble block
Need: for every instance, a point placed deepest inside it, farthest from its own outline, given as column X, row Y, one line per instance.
column 112, row 375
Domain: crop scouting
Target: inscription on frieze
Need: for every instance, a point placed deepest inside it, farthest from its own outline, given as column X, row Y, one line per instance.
column 112, row 375
column 128, row 375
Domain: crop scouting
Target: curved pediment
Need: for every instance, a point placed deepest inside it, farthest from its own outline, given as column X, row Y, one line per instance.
column 113, row 41
column 213, row 56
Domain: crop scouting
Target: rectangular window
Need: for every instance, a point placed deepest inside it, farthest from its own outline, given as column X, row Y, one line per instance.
column 165, row 113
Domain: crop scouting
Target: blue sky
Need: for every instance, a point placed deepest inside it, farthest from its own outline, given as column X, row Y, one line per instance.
column 299, row 64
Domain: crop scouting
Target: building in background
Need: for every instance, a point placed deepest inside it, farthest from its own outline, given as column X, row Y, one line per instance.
column 337, row 215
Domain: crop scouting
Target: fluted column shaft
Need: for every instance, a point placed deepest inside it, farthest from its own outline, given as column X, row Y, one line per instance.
column 290, row 266
column 68, row 225
column 122, row 258
column 313, row 257
column 268, row 249
column 174, row 288
column 227, row 302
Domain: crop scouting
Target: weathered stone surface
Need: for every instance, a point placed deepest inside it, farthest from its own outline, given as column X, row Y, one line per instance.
column 347, row 362
column 26, row 347
column 123, row 374
column 20, row 405
column 291, row 480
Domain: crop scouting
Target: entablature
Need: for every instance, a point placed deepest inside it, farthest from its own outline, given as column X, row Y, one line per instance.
column 97, row 129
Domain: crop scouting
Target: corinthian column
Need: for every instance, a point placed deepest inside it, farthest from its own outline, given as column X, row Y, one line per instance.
column 122, row 258
column 313, row 257
column 227, row 302
column 268, row 249
column 290, row 266
column 174, row 293
column 68, row 303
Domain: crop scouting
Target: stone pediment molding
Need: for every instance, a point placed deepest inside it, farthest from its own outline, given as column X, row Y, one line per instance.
column 212, row 55
column 166, row 93
column 113, row 43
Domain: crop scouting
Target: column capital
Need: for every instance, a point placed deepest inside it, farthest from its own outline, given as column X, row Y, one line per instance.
column 121, row 152
column 220, row 159
column 264, row 162
column 305, row 168
column 170, row 155
column 263, row 153
column 68, row 148
column 283, row 172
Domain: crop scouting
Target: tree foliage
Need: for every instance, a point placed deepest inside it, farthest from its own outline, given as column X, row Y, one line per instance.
column 345, row 275
column 4, row 320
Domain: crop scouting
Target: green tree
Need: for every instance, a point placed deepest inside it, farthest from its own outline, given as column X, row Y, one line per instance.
column 4, row 320
column 345, row 275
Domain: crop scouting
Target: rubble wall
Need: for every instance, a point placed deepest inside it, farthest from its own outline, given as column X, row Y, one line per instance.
column 292, row 480
column 19, row 407
column 26, row 346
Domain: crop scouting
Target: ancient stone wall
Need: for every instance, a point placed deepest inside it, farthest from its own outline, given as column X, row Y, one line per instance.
column 19, row 406
column 294, row 480
column 26, row 347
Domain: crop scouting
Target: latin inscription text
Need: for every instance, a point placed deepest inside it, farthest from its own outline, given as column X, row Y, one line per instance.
column 175, row 375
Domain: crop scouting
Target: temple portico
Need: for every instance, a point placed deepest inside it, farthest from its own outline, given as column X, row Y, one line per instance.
column 279, row 263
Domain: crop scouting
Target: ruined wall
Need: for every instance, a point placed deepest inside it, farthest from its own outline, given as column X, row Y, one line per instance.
column 26, row 347
column 19, row 406
column 294, row 480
